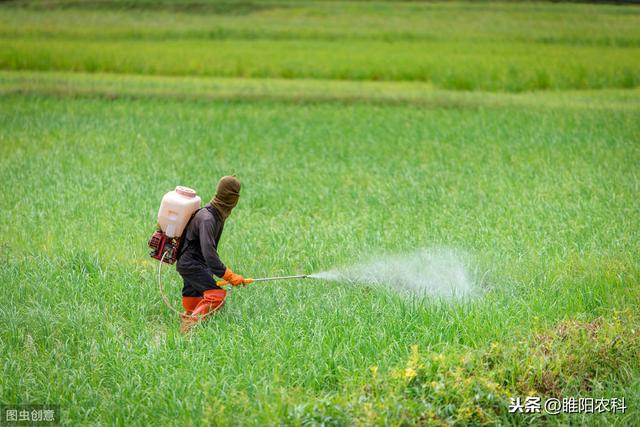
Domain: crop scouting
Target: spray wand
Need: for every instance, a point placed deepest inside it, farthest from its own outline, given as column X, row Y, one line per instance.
column 265, row 279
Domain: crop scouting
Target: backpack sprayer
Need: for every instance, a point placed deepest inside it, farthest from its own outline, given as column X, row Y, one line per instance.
column 176, row 210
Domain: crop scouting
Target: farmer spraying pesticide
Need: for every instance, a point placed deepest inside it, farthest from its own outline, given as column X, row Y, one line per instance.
column 198, row 259
column 190, row 235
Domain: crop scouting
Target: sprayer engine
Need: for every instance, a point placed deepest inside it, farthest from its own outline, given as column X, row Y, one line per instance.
column 161, row 244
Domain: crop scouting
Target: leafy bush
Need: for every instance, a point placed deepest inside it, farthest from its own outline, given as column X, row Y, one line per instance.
column 474, row 387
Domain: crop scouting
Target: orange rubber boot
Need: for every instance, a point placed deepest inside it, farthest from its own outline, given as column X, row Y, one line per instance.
column 190, row 303
column 212, row 300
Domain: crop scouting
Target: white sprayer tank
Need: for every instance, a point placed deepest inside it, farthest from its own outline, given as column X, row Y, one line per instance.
column 176, row 208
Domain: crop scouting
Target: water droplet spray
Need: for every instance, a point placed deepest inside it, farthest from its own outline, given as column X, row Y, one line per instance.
column 439, row 272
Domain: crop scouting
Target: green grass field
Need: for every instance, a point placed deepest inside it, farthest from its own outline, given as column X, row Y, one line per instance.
column 538, row 188
column 462, row 46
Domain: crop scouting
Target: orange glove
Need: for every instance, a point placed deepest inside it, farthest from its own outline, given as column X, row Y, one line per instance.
column 233, row 278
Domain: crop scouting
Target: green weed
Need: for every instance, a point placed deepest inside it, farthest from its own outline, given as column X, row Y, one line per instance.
column 543, row 199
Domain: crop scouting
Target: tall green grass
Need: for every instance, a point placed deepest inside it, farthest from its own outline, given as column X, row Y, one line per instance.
column 448, row 65
column 462, row 46
column 543, row 200
column 547, row 22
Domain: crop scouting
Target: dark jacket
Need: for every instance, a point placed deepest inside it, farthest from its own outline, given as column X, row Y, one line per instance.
column 200, row 242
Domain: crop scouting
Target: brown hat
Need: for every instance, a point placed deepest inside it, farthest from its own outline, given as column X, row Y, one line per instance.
column 227, row 195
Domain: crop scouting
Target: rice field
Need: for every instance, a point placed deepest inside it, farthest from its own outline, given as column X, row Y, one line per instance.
column 506, row 47
column 537, row 188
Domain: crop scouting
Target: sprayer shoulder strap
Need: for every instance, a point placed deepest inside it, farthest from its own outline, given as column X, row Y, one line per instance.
column 185, row 241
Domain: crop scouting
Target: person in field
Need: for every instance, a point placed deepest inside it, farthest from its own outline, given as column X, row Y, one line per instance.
column 198, row 261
